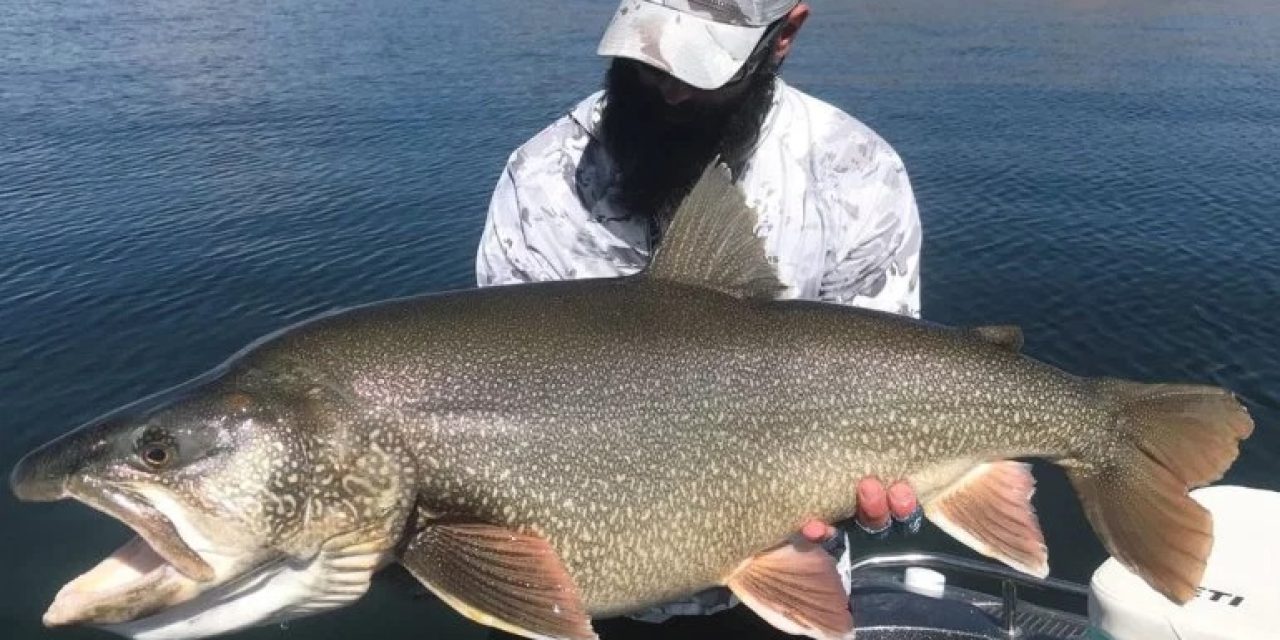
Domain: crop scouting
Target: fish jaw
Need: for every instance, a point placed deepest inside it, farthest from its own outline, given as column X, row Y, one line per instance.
column 279, row 589
column 273, row 593
column 155, row 570
column 138, row 592
column 130, row 583
column 157, row 528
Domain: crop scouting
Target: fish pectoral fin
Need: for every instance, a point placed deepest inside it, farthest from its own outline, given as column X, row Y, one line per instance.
column 796, row 587
column 500, row 578
column 989, row 509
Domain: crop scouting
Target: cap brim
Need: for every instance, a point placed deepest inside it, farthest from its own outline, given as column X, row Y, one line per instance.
column 698, row 51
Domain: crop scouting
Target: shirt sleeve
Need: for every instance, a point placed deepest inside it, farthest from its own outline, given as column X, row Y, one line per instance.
column 504, row 255
column 874, row 237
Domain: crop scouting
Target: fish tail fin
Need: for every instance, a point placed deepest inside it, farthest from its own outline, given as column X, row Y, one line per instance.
column 1167, row 440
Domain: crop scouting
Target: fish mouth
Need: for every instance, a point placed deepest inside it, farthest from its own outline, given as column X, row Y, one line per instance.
column 131, row 583
column 153, row 571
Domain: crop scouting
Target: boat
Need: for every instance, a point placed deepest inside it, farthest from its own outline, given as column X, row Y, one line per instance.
column 910, row 596
column 907, row 597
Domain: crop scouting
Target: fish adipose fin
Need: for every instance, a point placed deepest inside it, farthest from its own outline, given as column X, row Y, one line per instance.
column 989, row 509
column 500, row 578
column 1172, row 438
column 796, row 587
column 712, row 242
column 1006, row 335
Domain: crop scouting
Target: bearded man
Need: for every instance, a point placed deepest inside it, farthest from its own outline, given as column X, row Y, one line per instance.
column 690, row 81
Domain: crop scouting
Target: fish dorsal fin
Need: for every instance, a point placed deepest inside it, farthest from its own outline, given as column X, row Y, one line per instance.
column 1008, row 336
column 501, row 578
column 712, row 242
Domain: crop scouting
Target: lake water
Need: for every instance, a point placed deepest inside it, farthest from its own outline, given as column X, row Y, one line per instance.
column 178, row 178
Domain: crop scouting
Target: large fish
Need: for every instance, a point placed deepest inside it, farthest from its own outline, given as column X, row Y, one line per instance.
column 541, row 455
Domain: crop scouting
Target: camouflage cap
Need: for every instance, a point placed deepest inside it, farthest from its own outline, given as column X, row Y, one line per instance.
column 701, row 42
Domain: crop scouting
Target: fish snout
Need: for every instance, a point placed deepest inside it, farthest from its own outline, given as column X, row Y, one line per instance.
column 41, row 477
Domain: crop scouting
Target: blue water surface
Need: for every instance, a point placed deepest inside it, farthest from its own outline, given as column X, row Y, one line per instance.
column 179, row 177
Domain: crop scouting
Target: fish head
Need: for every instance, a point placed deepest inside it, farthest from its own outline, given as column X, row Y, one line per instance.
column 220, row 485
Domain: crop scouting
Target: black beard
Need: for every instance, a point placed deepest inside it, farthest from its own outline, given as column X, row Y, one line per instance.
column 660, row 150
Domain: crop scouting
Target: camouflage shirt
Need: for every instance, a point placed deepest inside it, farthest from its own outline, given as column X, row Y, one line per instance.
column 836, row 209
column 837, row 216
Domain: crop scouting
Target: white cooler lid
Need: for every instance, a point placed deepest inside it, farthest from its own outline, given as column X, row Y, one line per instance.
column 1239, row 596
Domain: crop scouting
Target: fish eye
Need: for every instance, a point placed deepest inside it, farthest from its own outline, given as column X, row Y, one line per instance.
column 157, row 455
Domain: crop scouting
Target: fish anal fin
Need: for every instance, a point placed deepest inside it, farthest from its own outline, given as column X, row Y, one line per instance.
column 712, row 243
column 500, row 578
column 796, row 588
column 989, row 509
column 1008, row 336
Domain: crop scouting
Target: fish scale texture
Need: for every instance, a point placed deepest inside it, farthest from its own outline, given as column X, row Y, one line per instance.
column 658, row 434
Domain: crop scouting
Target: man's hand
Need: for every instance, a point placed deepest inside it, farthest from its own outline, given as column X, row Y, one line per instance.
column 877, row 510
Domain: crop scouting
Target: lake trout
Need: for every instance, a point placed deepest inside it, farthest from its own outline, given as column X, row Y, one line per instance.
column 541, row 455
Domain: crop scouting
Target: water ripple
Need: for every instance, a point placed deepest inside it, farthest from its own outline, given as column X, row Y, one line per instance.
column 179, row 178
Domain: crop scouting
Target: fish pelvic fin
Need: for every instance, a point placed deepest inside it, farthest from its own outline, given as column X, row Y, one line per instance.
column 1172, row 438
column 989, row 509
column 712, row 243
column 501, row 578
column 796, row 588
